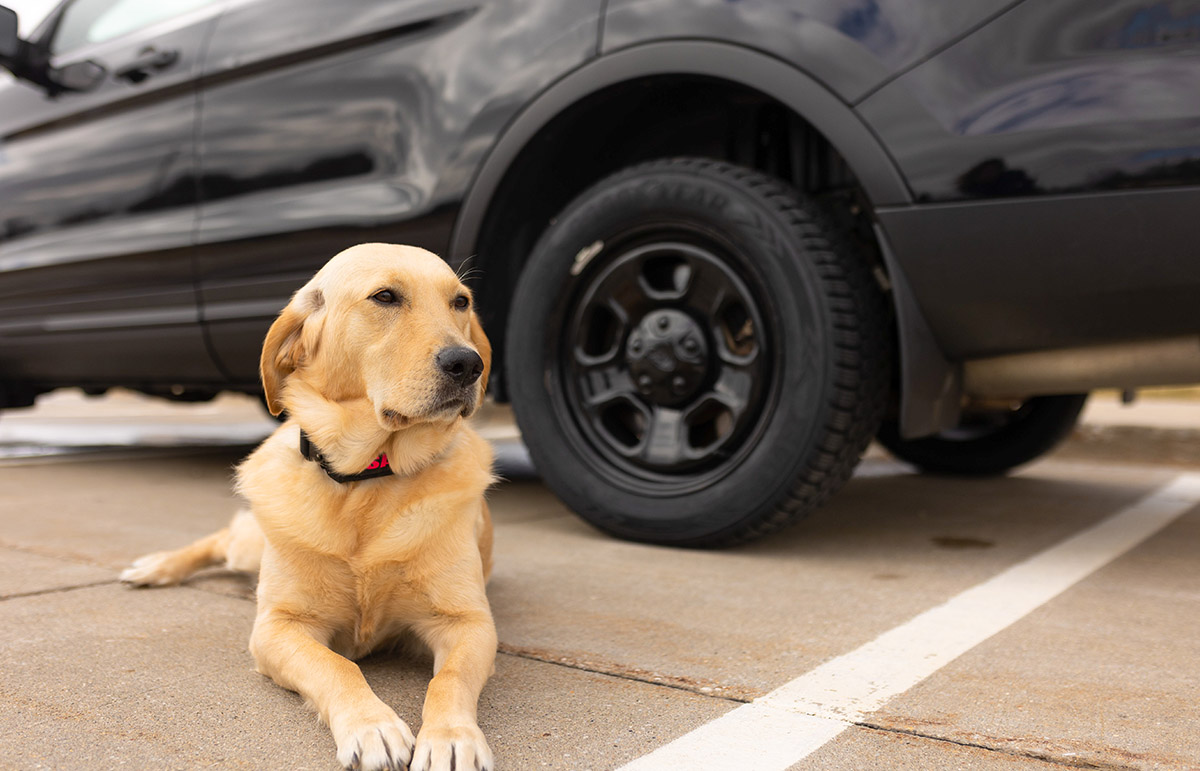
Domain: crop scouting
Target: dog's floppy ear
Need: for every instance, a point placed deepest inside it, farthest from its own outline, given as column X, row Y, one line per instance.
column 287, row 344
column 484, row 348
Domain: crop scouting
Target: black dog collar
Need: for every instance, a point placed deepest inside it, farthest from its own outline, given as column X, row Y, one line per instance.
column 378, row 468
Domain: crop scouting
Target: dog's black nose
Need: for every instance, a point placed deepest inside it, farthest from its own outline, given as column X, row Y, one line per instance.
column 461, row 365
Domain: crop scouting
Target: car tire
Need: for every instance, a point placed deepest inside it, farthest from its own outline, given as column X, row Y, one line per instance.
column 990, row 443
column 695, row 356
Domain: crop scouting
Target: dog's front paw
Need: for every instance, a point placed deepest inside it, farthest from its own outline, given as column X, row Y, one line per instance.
column 380, row 743
column 461, row 748
column 158, row 569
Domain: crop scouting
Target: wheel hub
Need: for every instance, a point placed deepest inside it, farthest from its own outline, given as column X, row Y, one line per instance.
column 667, row 356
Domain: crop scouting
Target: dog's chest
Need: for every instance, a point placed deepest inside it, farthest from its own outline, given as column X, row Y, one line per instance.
column 368, row 584
column 383, row 600
column 373, row 559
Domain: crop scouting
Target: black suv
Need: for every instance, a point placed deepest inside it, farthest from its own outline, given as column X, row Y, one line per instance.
column 719, row 244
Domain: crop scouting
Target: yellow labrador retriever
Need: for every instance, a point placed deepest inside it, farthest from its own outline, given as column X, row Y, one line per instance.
column 366, row 507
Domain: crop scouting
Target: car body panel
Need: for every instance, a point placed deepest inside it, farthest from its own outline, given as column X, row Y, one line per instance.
column 999, row 278
column 98, row 218
column 1051, row 99
column 849, row 46
column 1056, row 155
column 705, row 58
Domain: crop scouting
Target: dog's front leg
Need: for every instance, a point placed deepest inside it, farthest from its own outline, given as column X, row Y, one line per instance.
column 369, row 734
column 464, row 650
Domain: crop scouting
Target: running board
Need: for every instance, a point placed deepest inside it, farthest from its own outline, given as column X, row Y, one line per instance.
column 1175, row 361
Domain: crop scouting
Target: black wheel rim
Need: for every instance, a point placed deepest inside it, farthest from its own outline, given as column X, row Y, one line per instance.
column 665, row 362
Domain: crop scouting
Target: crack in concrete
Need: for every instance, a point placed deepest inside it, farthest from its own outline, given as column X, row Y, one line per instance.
column 1045, row 757
column 710, row 689
column 57, row 589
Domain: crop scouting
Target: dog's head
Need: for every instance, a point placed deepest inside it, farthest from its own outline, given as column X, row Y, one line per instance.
column 392, row 324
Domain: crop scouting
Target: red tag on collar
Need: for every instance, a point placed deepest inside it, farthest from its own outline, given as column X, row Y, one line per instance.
column 380, row 467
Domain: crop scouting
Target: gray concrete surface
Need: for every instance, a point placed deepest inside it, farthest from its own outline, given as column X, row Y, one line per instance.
column 608, row 649
column 1106, row 675
column 107, row 677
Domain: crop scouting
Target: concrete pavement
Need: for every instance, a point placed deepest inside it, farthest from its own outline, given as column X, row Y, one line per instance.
column 610, row 650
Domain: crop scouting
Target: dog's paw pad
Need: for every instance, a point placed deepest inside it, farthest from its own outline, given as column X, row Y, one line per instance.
column 151, row 570
column 462, row 748
column 379, row 745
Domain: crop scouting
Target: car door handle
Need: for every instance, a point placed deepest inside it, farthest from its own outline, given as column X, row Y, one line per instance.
column 148, row 61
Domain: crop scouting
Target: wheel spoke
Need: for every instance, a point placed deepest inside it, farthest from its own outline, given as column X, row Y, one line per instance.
column 621, row 292
column 585, row 362
column 597, row 332
column 603, row 384
column 707, row 288
column 666, row 438
column 735, row 387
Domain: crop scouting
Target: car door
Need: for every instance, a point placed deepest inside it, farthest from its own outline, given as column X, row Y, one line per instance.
column 1055, row 157
column 97, row 201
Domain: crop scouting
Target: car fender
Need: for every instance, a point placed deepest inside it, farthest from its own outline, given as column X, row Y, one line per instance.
column 836, row 120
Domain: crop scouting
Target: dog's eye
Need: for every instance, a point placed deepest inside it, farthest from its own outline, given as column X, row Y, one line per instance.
column 462, row 302
column 385, row 297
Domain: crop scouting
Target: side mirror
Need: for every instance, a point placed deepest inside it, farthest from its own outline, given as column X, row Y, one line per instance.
column 10, row 44
column 16, row 55
column 28, row 63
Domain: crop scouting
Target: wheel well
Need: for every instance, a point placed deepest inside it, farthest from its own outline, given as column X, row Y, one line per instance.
column 641, row 120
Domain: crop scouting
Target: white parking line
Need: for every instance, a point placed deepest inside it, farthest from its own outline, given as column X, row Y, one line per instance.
column 795, row 720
